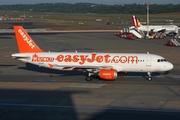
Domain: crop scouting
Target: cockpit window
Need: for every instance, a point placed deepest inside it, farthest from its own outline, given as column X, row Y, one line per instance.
column 161, row 60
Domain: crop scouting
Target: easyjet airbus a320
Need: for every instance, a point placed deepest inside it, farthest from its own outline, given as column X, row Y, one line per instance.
column 105, row 65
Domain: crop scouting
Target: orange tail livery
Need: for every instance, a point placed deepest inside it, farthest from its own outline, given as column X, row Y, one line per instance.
column 24, row 41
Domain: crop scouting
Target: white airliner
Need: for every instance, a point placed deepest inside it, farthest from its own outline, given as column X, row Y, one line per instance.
column 105, row 65
column 155, row 28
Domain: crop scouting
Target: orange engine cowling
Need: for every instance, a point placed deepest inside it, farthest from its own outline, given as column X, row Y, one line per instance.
column 108, row 74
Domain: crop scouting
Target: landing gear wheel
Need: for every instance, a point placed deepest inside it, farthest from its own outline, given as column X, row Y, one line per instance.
column 149, row 78
column 88, row 78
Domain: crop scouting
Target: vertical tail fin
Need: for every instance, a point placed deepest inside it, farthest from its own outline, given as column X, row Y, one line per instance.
column 135, row 21
column 24, row 41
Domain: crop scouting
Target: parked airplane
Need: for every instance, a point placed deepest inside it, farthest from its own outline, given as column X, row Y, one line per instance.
column 155, row 28
column 105, row 65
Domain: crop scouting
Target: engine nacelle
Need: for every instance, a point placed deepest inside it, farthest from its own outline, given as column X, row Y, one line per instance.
column 108, row 74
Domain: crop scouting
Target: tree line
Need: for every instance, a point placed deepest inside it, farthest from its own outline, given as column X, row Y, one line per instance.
column 93, row 8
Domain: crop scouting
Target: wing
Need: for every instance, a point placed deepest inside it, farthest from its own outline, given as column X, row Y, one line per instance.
column 85, row 67
column 89, row 68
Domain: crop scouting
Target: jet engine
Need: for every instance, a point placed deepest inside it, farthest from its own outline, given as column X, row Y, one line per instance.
column 108, row 74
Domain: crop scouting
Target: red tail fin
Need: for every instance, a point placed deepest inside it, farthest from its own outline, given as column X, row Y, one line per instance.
column 135, row 21
column 24, row 41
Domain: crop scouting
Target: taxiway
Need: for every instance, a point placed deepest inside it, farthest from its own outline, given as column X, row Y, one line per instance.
column 32, row 92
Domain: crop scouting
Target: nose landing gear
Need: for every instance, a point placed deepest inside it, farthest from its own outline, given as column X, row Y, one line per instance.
column 149, row 76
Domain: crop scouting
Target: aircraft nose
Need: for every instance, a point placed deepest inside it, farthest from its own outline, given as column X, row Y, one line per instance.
column 170, row 66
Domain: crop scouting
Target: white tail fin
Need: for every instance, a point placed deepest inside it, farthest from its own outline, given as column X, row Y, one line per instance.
column 135, row 21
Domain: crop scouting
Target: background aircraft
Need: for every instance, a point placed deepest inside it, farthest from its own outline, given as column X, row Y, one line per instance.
column 155, row 28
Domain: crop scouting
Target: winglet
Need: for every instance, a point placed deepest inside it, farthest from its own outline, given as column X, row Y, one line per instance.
column 24, row 41
column 135, row 21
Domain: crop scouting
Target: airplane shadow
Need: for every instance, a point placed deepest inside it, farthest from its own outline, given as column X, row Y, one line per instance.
column 35, row 68
column 144, row 75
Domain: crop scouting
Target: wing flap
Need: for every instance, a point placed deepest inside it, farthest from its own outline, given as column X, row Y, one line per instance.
column 84, row 67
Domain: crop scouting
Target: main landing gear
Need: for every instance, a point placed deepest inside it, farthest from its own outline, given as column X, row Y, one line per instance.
column 89, row 77
column 149, row 76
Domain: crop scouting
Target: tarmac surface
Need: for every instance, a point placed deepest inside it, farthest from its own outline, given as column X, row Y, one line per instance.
column 32, row 92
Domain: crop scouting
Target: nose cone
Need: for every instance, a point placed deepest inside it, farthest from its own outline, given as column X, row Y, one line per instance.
column 170, row 66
